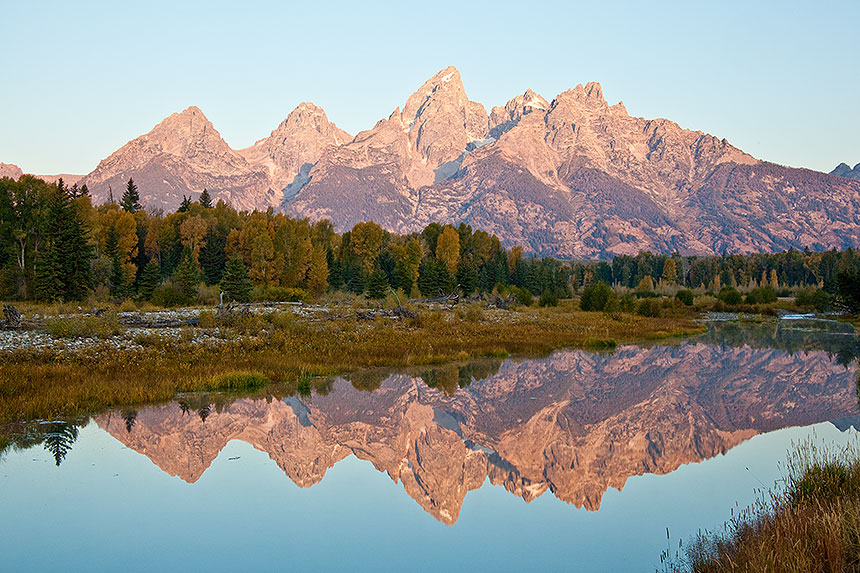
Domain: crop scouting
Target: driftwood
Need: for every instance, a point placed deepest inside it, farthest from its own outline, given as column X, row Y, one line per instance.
column 139, row 322
column 453, row 298
column 372, row 314
column 13, row 317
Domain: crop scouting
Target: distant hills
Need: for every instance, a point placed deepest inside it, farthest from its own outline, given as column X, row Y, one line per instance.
column 844, row 170
column 571, row 177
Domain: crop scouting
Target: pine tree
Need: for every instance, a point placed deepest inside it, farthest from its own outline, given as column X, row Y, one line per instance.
column 377, row 284
column 355, row 283
column 149, row 280
column 235, row 284
column 186, row 277
column 48, row 283
column 185, row 205
column 205, row 200
column 117, row 273
column 212, row 257
column 63, row 270
column 76, row 255
column 131, row 198
column 59, row 440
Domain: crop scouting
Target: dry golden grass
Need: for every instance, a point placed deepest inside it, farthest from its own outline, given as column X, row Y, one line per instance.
column 812, row 526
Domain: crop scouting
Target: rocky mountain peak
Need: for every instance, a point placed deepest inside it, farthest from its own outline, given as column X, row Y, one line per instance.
column 441, row 121
column 589, row 96
column 184, row 134
column 10, row 170
column 504, row 118
column 444, row 85
column 309, row 116
column 296, row 144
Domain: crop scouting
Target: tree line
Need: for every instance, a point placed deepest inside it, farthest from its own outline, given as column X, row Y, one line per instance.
column 783, row 270
column 55, row 245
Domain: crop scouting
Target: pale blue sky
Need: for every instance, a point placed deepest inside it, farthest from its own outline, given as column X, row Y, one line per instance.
column 781, row 80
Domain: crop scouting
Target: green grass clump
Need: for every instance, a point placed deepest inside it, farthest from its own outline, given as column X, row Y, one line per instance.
column 600, row 344
column 236, row 381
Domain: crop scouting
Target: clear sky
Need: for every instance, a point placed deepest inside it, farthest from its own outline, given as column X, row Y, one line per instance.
column 780, row 80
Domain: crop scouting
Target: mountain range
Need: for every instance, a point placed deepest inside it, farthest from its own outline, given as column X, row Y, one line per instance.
column 574, row 423
column 571, row 177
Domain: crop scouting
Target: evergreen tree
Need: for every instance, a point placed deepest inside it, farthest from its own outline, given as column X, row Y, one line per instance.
column 185, row 205
column 205, row 200
column 377, row 284
column 212, row 258
column 356, row 282
column 117, row 278
column 150, row 278
column 186, row 277
column 59, row 440
column 130, row 198
column 130, row 417
column 48, row 282
column 76, row 255
column 467, row 278
column 235, row 284
column 63, row 268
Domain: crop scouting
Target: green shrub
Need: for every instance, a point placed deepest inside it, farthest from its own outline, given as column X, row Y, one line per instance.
column 628, row 302
column 685, row 296
column 815, row 298
column 303, row 385
column 730, row 296
column 167, row 295
column 523, row 295
column 595, row 297
column 761, row 295
column 548, row 298
column 649, row 307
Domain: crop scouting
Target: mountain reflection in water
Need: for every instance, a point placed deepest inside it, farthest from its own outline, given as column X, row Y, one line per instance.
column 576, row 422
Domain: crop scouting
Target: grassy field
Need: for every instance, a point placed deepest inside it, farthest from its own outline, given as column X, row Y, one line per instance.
column 281, row 348
column 813, row 525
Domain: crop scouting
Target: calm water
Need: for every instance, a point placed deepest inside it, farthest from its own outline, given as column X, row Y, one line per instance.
column 576, row 461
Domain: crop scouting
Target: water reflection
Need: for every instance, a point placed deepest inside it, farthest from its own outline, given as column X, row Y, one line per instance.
column 575, row 423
